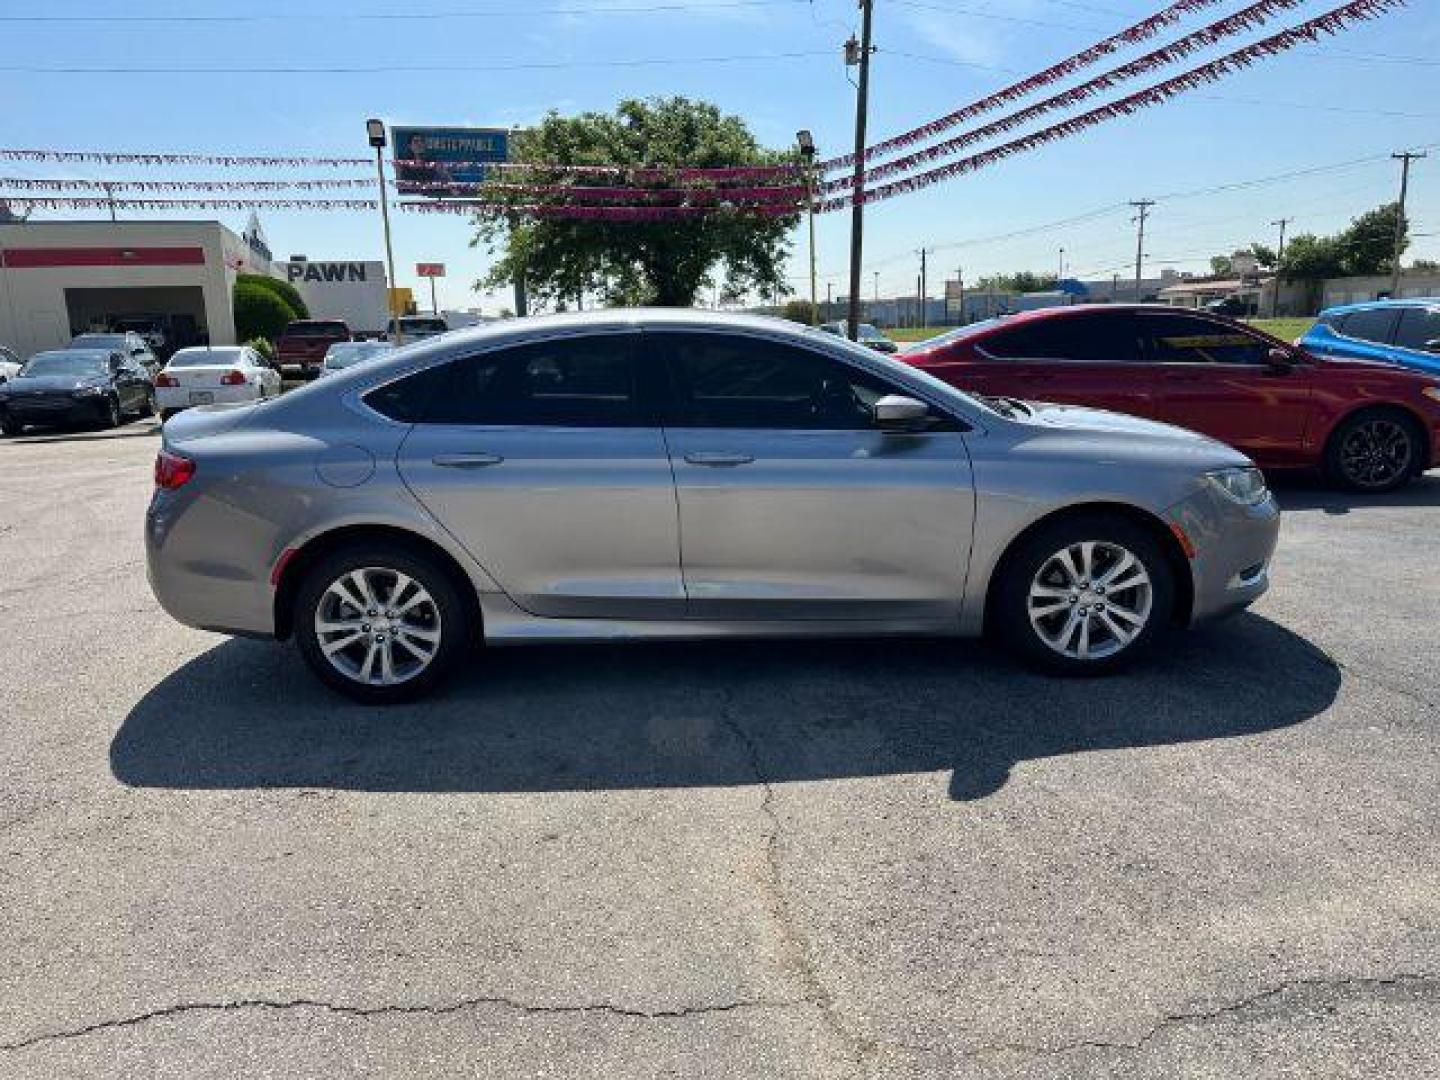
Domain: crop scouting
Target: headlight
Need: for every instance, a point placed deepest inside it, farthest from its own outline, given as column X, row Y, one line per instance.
column 1432, row 392
column 1244, row 486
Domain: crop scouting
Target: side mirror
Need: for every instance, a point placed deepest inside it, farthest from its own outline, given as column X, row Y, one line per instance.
column 1279, row 361
column 117, row 362
column 896, row 412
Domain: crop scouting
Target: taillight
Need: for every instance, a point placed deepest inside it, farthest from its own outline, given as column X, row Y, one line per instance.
column 166, row 380
column 172, row 470
column 232, row 378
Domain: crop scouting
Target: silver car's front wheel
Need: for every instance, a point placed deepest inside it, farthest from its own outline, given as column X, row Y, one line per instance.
column 380, row 623
column 1090, row 600
column 378, row 626
column 1085, row 593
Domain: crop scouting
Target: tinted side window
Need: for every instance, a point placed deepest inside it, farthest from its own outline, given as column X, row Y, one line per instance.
column 569, row 382
column 1372, row 324
column 407, row 399
column 730, row 381
column 1418, row 325
column 1108, row 338
column 1182, row 339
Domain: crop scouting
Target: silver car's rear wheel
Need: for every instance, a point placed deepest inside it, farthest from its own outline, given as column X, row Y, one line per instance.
column 378, row 626
column 1090, row 600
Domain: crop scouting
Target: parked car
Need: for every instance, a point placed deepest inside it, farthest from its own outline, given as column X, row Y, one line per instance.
column 416, row 328
column 69, row 386
column 868, row 336
column 1405, row 332
column 1369, row 427
column 224, row 374
column 9, row 364
column 302, row 345
column 121, row 341
column 1236, row 307
column 637, row 475
column 344, row 354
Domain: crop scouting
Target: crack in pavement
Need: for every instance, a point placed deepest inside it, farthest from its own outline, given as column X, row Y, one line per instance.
column 1197, row 1017
column 860, row 1046
column 366, row 1012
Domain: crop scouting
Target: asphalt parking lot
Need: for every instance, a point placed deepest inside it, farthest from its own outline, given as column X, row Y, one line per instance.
column 896, row 859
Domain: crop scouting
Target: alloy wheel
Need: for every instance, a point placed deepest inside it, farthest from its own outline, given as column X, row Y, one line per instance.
column 1090, row 600
column 378, row 626
column 1376, row 453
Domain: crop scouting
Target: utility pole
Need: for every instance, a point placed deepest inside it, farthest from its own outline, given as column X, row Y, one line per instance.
column 877, row 286
column 1060, row 274
column 857, row 186
column 807, row 151
column 960, row 288
column 1404, row 159
column 924, row 317
column 1142, row 207
column 1279, row 259
column 829, row 298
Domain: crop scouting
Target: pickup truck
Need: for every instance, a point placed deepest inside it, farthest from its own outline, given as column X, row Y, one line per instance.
column 304, row 342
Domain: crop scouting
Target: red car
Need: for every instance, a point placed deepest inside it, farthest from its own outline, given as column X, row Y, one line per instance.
column 304, row 343
column 1368, row 426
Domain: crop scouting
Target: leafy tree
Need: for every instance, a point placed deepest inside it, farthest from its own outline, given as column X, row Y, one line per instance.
column 282, row 289
column 1365, row 246
column 1264, row 256
column 1023, row 281
column 801, row 311
column 259, row 312
column 1310, row 258
column 664, row 262
column 1220, row 265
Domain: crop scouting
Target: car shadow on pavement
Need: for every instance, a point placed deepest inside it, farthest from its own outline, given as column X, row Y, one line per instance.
column 1305, row 493
column 85, row 435
column 247, row 714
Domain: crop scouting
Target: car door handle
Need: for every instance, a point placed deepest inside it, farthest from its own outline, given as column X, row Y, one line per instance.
column 466, row 461
column 718, row 458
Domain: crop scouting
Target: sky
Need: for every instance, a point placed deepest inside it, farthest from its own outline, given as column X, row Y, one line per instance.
column 301, row 78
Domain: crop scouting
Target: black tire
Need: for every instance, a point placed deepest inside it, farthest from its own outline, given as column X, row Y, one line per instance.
column 1375, row 451
column 451, row 621
column 1010, row 609
column 111, row 415
column 148, row 407
column 10, row 427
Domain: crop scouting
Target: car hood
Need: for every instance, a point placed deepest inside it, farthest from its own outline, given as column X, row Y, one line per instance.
column 1104, row 430
column 52, row 383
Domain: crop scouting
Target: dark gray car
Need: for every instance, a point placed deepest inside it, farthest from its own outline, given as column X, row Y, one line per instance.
column 664, row 474
column 76, row 386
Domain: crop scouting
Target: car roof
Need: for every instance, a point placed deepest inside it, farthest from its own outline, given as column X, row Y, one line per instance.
column 628, row 319
column 1365, row 305
column 75, row 352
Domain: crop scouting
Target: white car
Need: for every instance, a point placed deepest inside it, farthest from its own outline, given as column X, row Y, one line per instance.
column 344, row 354
column 210, row 376
column 416, row 328
column 9, row 364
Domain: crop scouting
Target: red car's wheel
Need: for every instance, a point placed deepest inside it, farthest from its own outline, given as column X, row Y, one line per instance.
column 1375, row 450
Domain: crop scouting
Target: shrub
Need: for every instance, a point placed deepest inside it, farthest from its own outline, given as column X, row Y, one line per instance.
column 282, row 289
column 801, row 311
column 259, row 312
column 263, row 346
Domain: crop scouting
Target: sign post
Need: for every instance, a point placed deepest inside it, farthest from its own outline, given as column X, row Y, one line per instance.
column 431, row 271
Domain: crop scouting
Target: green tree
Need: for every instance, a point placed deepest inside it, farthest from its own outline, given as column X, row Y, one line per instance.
column 1023, row 281
column 1365, row 246
column 664, row 262
column 282, row 289
column 259, row 312
column 1220, row 265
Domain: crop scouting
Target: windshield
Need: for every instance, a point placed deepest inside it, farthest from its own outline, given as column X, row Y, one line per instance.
column 960, row 333
column 316, row 329
column 100, row 341
column 347, row 355
column 222, row 357
column 74, row 364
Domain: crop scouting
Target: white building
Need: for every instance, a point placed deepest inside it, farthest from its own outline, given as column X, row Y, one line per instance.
column 60, row 278
column 352, row 291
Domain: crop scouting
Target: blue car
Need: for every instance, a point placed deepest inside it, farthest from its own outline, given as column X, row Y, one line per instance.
column 1405, row 332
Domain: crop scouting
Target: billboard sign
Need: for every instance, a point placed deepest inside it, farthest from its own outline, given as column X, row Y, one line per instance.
column 445, row 156
column 429, row 269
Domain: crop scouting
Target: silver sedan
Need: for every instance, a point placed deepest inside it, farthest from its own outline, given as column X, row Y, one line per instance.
column 630, row 475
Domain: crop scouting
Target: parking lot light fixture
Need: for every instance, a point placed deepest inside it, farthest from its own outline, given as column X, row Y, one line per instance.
column 375, row 132
column 806, row 142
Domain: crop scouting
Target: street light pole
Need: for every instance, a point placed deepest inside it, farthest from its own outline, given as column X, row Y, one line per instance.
column 1404, row 160
column 857, row 186
column 807, row 151
column 375, row 130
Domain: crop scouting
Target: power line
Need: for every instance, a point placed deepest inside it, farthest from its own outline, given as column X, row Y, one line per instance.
column 558, row 65
column 390, row 16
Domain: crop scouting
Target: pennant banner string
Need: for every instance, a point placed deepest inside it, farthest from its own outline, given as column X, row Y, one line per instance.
column 1332, row 22
column 1245, row 19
